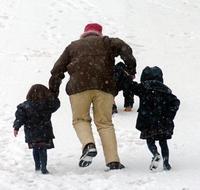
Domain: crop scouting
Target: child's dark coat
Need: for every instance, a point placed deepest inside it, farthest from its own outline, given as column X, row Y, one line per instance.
column 158, row 106
column 122, row 79
column 35, row 116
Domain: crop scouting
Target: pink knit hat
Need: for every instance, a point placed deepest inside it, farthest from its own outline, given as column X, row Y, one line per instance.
column 92, row 28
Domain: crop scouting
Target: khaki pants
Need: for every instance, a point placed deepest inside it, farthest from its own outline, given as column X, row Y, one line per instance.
column 102, row 113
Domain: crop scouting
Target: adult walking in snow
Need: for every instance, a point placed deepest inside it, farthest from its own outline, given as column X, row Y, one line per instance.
column 90, row 63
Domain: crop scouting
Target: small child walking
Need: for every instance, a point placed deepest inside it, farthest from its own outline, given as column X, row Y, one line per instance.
column 122, row 78
column 35, row 114
column 157, row 110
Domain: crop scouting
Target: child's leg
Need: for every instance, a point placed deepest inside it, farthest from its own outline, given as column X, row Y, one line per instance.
column 156, row 156
column 152, row 146
column 36, row 158
column 43, row 159
column 165, row 154
column 164, row 149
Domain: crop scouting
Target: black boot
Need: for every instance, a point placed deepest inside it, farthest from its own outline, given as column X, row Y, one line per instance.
column 44, row 171
column 37, row 168
column 89, row 152
column 43, row 159
column 166, row 165
column 165, row 154
column 115, row 165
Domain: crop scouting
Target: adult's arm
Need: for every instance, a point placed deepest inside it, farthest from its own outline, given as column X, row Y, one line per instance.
column 119, row 47
column 57, row 73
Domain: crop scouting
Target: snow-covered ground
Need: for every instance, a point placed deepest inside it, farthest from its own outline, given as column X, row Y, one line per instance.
column 34, row 33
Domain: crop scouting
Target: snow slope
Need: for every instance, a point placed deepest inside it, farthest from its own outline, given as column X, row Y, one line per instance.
column 34, row 33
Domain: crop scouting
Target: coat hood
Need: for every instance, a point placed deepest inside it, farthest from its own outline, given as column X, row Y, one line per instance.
column 152, row 73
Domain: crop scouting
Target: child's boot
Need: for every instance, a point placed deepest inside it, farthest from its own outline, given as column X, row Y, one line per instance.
column 166, row 165
column 44, row 171
column 128, row 109
column 37, row 167
column 43, row 158
column 155, row 162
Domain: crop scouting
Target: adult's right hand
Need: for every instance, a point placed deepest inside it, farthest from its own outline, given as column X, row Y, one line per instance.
column 54, row 84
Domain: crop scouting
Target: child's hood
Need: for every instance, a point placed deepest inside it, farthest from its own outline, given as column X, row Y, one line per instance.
column 152, row 73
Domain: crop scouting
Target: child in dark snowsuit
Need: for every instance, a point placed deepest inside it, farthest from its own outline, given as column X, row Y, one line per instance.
column 157, row 109
column 35, row 114
column 122, row 78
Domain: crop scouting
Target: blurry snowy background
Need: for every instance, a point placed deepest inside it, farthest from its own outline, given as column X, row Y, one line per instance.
column 33, row 34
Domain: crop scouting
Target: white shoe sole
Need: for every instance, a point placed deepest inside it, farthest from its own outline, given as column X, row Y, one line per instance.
column 86, row 159
column 155, row 162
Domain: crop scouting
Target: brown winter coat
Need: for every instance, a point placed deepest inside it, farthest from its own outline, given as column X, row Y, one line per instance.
column 90, row 64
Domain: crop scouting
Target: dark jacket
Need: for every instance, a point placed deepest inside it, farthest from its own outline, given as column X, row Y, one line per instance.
column 123, row 78
column 90, row 63
column 158, row 106
column 36, row 118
